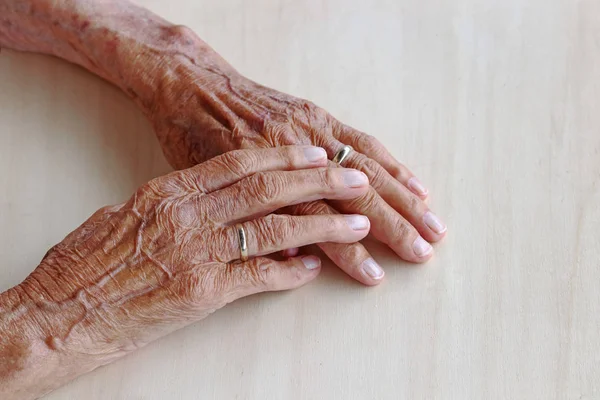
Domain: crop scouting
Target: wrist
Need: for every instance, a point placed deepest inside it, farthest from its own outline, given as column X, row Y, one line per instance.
column 34, row 357
column 123, row 43
column 29, row 367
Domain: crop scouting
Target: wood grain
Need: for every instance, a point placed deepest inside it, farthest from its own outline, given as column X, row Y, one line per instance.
column 493, row 103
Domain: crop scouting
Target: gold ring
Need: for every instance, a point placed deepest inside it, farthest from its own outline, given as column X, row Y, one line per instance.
column 341, row 155
column 243, row 243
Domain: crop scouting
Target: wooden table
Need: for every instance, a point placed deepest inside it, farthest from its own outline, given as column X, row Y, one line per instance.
column 493, row 103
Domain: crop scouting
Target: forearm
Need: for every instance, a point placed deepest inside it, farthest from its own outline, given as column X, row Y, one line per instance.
column 123, row 43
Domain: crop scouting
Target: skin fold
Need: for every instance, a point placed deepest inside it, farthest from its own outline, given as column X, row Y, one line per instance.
column 136, row 271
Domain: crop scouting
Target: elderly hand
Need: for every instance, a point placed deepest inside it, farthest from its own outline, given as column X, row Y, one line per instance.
column 205, row 108
column 170, row 255
column 201, row 107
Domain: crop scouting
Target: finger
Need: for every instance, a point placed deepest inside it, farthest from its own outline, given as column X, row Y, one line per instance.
column 275, row 233
column 389, row 227
column 414, row 209
column 372, row 148
column 352, row 258
column 293, row 252
column 265, row 192
column 263, row 274
column 398, row 197
column 231, row 167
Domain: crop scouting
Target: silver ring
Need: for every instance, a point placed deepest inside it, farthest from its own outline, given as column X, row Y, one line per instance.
column 341, row 155
column 243, row 243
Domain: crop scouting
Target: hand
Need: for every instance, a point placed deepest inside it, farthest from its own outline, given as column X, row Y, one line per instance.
column 201, row 107
column 169, row 256
column 201, row 111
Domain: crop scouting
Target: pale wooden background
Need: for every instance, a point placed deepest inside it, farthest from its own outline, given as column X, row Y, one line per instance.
column 494, row 103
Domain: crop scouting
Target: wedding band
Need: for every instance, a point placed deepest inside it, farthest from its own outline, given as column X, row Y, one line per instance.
column 341, row 155
column 243, row 243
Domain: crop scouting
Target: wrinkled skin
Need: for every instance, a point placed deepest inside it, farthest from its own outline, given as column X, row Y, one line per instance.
column 170, row 256
column 167, row 257
column 200, row 111
column 201, row 106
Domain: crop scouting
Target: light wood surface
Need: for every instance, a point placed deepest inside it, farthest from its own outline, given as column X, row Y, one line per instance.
column 493, row 103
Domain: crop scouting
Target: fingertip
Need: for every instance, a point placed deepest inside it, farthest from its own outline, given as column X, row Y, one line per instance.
column 293, row 252
column 371, row 272
column 311, row 263
column 422, row 249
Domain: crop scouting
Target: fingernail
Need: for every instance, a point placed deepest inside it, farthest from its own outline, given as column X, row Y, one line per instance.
column 357, row 222
column 311, row 262
column 417, row 187
column 421, row 247
column 353, row 178
column 314, row 154
column 434, row 223
column 371, row 268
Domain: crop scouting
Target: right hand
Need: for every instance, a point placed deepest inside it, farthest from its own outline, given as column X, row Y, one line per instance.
column 169, row 256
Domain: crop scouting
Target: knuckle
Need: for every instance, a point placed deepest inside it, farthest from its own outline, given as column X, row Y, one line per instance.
column 365, row 203
column 267, row 186
column 353, row 253
column 276, row 229
column 188, row 213
column 401, row 172
column 329, row 178
column 312, row 208
column 308, row 107
column 403, row 231
column 312, row 116
column 368, row 144
column 283, row 133
column 224, row 245
column 269, row 231
column 377, row 175
column 416, row 205
column 238, row 162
